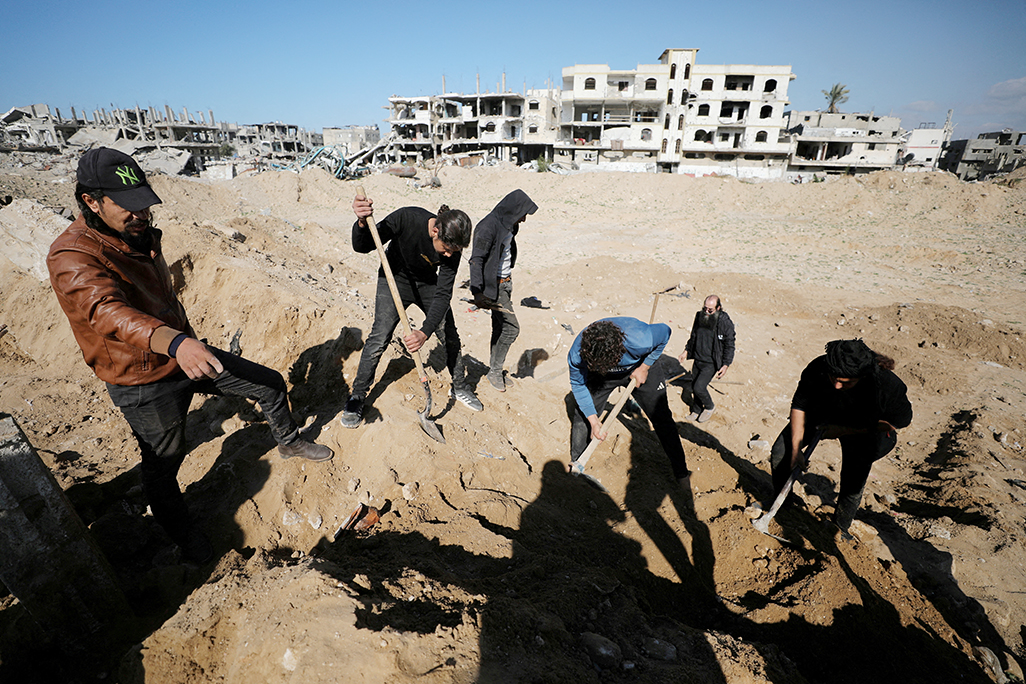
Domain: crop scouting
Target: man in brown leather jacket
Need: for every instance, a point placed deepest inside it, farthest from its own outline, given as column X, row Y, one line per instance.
column 113, row 283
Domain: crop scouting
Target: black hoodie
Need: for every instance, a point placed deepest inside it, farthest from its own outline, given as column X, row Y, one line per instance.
column 491, row 232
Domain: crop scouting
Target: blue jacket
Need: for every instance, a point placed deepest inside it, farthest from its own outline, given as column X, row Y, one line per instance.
column 644, row 344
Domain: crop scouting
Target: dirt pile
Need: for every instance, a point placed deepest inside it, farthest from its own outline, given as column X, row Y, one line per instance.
column 489, row 563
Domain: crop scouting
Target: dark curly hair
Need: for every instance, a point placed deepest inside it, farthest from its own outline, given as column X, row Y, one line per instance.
column 602, row 346
column 453, row 227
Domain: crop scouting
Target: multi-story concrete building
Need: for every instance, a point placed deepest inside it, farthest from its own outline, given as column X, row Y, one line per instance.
column 677, row 116
column 843, row 143
column 986, row 155
column 505, row 125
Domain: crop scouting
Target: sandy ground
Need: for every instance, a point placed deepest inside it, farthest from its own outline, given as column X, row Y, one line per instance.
column 489, row 563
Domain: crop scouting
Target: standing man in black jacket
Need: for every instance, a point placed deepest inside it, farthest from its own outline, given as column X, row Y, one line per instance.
column 711, row 345
column 491, row 280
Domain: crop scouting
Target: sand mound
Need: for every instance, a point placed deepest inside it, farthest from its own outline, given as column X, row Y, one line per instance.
column 489, row 563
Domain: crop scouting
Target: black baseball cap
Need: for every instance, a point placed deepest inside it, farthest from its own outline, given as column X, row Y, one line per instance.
column 119, row 176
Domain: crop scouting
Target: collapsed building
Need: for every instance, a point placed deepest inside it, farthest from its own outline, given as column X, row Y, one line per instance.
column 179, row 141
column 504, row 125
column 827, row 142
column 986, row 155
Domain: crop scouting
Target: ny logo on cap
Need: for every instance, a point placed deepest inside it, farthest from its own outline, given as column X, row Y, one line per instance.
column 127, row 175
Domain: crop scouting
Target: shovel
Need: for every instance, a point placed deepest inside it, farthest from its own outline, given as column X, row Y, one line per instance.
column 577, row 467
column 762, row 524
column 425, row 423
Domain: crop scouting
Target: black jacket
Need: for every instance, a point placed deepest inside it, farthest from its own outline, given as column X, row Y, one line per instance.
column 488, row 238
column 723, row 341
column 879, row 396
column 411, row 255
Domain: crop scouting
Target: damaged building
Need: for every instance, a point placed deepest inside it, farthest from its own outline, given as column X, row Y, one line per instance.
column 833, row 143
column 184, row 141
column 505, row 125
column 986, row 155
column 677, row 116
column 924, row 145
column 351, row 139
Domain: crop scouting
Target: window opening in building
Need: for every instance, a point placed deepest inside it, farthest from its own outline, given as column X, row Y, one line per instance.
column 589, row 84
column 669, row 96
column 766, row 112
column 760, row 136
column 707, row 84
column 703, row 110
column 676, row 147
column 687, row 71
column 673, row 71
column 771, row 85
column 650, row 84
column 680, row 123
column 533, row 104
column 664, row 145
column 646, row 133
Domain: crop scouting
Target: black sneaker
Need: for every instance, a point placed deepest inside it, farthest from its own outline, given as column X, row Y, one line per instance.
column 352, row 415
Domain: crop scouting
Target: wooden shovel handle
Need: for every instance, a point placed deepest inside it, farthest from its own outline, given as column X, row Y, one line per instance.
column 400, row 309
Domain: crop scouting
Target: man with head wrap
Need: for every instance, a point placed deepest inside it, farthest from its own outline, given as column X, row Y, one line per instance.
column 850, row 394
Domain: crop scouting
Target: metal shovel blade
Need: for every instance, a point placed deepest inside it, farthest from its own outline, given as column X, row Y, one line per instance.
column 426, row 424
column 591, row 480
column 762, row 524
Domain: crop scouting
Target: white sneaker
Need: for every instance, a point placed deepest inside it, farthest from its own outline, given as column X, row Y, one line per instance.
column 468, row 398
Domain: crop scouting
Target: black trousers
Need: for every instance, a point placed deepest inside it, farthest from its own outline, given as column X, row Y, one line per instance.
column 386, row 318
column 858, row 454
column 651, row 396
column 701, row 375
column 156, row 413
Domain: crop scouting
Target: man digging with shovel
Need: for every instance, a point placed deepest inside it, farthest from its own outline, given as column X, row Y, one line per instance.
column 849, row 394
column 608, row 354
column 423, row 255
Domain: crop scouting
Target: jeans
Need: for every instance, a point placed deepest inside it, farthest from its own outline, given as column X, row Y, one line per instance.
column 651, row 396
column 505, row 328
column 156, row 413
column 858, row 454
column 702, row 374
column 386, row 318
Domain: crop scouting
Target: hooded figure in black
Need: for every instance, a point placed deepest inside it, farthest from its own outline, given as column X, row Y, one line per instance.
column 491, row 281
column 850, row 394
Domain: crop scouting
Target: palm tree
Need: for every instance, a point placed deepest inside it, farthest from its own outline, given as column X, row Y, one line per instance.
column 837, row 94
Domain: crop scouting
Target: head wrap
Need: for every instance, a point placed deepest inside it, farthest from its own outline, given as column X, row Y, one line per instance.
column 850, row 359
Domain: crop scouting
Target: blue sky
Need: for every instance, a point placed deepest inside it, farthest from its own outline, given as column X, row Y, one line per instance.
column 316, row 63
